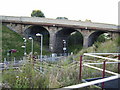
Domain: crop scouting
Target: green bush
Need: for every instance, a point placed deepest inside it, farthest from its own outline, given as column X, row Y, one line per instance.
column 26, row 77
column 107, row 47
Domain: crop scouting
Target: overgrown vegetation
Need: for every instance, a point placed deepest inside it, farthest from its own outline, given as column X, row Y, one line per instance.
column 28, row 76
column 12, row 40
column 75, row 42
column 110, row 46
column 55, row 75
column 25, row 77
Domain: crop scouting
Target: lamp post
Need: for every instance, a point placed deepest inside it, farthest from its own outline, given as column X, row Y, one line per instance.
column 31, row 44
column 64, row 46
column 24, row 49
column 24, row 46
column 40, row 35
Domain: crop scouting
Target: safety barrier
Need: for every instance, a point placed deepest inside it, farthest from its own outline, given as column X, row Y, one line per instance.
column 116, row 75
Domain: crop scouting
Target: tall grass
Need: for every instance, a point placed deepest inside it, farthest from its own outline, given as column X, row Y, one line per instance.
column 28, row 77
column 25, row 77
column 108, row 47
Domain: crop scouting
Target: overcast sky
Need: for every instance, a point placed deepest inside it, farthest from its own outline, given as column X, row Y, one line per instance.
column 103, row 11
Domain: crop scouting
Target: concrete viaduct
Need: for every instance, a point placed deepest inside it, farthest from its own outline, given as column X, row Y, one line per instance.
column 58, row 30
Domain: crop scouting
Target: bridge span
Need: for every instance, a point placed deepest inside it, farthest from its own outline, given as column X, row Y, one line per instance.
column 58, row 30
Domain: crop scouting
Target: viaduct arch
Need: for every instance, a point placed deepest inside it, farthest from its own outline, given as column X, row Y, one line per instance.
column 93, row 37
column 33, row 30
column 53, row 36
column 61, row 35
column 57, row 30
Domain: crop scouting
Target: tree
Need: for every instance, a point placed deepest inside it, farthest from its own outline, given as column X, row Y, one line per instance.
column 37, row 13
column 103, row 37
column 87, row 20
column 61, row 18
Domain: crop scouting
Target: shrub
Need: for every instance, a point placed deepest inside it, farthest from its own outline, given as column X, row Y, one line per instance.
column 26, row 77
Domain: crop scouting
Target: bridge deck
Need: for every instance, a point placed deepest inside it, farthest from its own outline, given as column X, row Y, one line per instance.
column 59, row 23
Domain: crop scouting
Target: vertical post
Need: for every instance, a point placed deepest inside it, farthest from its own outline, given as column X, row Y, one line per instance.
column 41, row 46
column 24, row 46
column 32, row 47
column 38, row 57
column 14, row 60
column 119, row 64
column 80, row 71
column 103, row 73
column 5, row 60
column 64, row 47
column 41, row 42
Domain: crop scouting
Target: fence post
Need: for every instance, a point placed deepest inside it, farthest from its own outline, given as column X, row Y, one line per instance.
column 14, row 60
column 119, row 64
column 103, row 73
column 5, row 60
column 38, row 57
column 80, row 70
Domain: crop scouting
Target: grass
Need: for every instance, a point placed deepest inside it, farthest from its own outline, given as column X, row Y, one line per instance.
column 25, row 77
column 0, row 76
column 12, row 40
column 28, row 77
column 75, row 48
column 110, row 46
column 59, row 74
column 0, row 41
column 55, row 75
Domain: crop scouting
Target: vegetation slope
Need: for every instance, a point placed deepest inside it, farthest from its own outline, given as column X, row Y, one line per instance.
column 12, row 40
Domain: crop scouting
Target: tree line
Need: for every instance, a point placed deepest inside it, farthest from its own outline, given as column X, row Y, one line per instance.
column 39, row 13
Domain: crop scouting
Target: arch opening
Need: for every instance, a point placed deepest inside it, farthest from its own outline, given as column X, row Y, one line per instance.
column 33, row 30
column 73, row 38
column 99, row 36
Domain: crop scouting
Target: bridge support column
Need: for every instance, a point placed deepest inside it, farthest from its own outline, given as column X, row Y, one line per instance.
column 114, row 35
column 86, row 34
column 85, row 42
column 56, row 40
column 52, row 41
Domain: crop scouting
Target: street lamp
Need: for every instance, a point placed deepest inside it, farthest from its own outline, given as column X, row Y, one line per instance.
column 40, row 35
column 31, row 44
column 24, row 46
column 64, row 46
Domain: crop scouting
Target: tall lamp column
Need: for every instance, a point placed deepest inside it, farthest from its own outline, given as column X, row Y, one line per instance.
column 64, row 46
column 41, row 42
